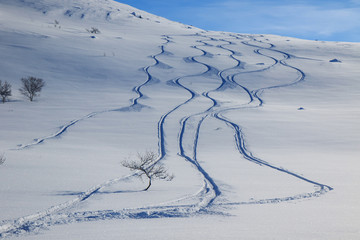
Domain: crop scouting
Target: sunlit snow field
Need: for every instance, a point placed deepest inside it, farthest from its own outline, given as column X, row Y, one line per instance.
column 260, row 131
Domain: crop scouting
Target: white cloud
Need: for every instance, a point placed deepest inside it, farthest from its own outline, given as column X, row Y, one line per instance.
column 356, row 2
column 305, row 20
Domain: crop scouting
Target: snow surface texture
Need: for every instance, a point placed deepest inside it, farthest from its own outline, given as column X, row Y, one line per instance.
column 221, row 109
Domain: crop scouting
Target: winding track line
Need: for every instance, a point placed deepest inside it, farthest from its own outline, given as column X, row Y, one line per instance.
column 210, row 190
column 210, row 186
column 23, row 224
column 53, row 216
column 135, row 105
column 208, row 180
column 240, row 138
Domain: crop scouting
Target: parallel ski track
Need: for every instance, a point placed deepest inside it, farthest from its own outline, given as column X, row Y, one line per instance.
column 53, row 215
column 239, row 135
column 210, row 190
column 209, row 182
column 240, row 138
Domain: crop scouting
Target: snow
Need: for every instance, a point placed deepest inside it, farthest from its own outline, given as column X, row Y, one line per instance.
column 220, row 109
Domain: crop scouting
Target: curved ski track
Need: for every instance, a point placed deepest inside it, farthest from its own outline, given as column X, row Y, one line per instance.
column 35, row 221
column 135, row 106
column 210, row 191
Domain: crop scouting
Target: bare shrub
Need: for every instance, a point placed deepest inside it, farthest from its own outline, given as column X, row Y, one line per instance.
column 5, row 90
column 147, row 165
column 57, row 24
column 93, row 30
column 2, row 159
column 31, row 87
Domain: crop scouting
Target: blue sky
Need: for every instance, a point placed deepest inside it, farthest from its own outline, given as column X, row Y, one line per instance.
column 331, row 20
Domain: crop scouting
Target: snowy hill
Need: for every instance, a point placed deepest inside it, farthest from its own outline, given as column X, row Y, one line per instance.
column 260, row 131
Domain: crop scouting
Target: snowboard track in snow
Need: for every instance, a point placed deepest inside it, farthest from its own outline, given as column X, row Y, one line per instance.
column 207, row 195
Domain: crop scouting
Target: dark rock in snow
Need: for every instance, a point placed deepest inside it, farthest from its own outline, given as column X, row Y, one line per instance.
column 335, row 60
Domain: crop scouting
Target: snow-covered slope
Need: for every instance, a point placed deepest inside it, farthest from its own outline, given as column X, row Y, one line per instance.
column 260, row 131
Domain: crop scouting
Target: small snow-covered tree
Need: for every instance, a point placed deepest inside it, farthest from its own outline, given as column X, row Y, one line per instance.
column 5, row 90
column 147, row 165
column 31, row 87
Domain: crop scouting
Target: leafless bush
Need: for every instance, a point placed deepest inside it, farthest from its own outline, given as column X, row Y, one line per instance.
column 93, row 30
column 5, row 90
column 2, row 159
column 147, row 165
column 31, row 87
column 57, row 24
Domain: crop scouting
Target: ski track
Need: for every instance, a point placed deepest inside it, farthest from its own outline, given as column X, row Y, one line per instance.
column 240, row 139
column 210, row 188
column 210, row 191
column 41, row 219
column 27, row 223
column 135, row 106
column 239, row 136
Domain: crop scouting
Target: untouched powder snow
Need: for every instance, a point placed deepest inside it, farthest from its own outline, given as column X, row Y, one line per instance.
column 260, row 131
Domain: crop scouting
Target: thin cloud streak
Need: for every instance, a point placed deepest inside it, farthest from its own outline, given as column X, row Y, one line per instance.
column 322, row 19
column 304, row 21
